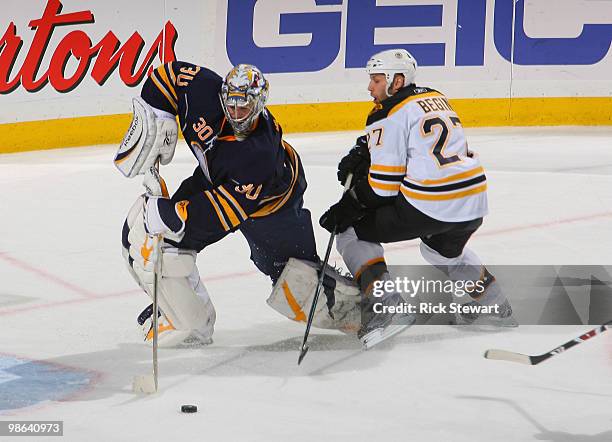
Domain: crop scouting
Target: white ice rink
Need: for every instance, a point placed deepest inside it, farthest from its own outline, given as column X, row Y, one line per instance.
column 69, row 346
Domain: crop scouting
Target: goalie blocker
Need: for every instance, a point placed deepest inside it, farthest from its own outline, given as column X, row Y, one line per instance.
column 152, row 134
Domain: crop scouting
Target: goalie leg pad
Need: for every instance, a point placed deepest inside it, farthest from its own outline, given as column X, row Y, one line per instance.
column 338, row 306
column 181, row 294
column 188, row 312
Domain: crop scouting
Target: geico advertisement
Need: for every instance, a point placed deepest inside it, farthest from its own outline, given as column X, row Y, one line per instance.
column 471, row 48
column 88, row 57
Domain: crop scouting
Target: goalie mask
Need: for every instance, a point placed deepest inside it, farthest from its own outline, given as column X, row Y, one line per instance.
column 391, row 62
column 243, row 96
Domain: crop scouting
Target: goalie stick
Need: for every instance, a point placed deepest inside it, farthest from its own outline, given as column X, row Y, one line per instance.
column 149, row 383
column 313, row 307
column 504, row 355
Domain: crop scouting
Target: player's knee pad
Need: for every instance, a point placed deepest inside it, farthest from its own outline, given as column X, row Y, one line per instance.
column 357, row 253
column 139, row 248
column 466, row 267
column 338, row 306
column 467, row 262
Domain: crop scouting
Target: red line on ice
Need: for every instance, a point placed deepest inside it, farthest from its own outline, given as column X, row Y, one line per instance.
column 46, row 275
column 88, row 296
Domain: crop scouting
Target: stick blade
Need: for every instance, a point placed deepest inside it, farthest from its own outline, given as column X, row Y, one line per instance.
column 144, row 384
column 303, row 352
column 510, row 356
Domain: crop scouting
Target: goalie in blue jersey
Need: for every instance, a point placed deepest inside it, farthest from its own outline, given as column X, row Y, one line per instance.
column 248, row 179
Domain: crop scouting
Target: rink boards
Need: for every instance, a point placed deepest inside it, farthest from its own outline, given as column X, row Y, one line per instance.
column 69, row 69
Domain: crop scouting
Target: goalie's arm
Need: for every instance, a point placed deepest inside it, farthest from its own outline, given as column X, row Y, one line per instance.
column 161, row 89
column 212, row 213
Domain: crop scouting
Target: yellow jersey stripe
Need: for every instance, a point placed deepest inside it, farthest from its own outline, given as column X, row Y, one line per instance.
column 458, row 176
column 171, row 72
column 283, row 198
column 164, row 77
column 294, row 170
column 381, row 186
column 443, row 197
column 216, row 207
column 163, row 91
column 227, row 209
column 399, row 105
column 383, row 168
column 233, row 201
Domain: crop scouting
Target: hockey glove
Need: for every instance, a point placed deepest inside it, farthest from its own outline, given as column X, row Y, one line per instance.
column 343, row 214
column 163, row 217
column 357, row 161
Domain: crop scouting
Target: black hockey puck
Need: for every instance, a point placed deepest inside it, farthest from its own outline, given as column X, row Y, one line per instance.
column 189, row 408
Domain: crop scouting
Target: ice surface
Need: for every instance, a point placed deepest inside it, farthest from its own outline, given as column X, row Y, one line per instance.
column 68, row 304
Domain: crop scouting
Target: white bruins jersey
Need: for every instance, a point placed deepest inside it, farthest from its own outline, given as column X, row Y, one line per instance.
column 418, row 147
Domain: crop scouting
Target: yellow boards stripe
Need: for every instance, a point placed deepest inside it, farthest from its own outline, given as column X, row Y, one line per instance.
column 21, row 136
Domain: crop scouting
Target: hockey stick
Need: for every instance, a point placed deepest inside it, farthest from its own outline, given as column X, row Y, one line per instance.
column 504, row 355
column 304, row 348
column 149, row 383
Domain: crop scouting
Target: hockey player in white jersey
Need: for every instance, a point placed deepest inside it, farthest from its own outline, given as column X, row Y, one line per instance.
column 413, row 177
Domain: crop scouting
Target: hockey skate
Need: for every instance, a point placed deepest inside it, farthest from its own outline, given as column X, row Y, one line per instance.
column 378, row 327
column 494, row 313
column 169, row 336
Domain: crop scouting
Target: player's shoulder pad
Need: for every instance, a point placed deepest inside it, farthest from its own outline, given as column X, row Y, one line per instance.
column 168, row 82
column 185, row 72
column 397, row 101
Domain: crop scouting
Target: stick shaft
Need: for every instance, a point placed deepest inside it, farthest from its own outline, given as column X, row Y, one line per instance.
column 511, row 356
column 157, row 275
column 315, row 299
column 158, row 270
